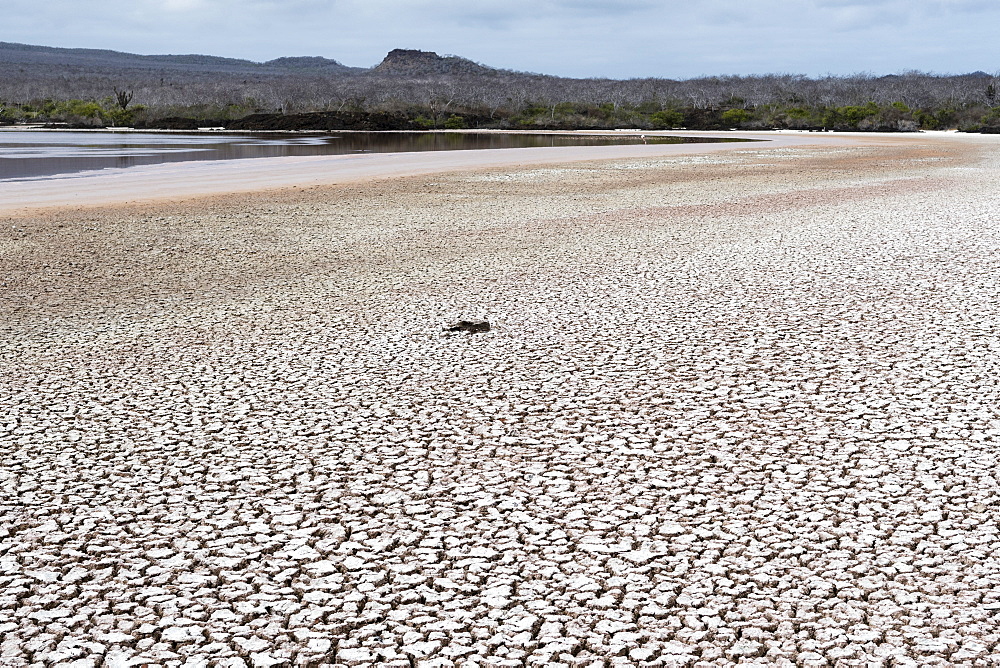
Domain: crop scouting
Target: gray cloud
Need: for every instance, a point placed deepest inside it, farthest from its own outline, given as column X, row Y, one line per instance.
column 618, row 38
column 604, row 7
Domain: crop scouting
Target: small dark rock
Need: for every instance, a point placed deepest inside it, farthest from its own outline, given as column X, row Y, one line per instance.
column 470, row 326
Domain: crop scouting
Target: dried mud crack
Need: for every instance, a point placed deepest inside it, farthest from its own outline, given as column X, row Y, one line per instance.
column 730, row 409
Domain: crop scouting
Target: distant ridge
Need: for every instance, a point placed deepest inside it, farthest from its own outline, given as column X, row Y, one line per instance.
column 30, row 55
column 314, row 63
column 410, row 62
column 397, row 63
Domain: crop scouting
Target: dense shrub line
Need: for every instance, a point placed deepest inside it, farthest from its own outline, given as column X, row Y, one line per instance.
column 499, row 99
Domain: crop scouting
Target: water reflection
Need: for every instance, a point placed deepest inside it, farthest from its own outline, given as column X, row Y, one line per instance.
column 39, row 155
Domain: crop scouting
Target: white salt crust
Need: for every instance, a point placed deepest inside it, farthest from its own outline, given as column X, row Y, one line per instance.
column 727, row 413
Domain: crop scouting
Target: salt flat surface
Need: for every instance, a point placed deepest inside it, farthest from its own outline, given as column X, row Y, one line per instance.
column 736, row 412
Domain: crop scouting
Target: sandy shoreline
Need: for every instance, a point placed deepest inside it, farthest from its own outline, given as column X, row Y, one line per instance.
column 737, row 406
column 167, row 182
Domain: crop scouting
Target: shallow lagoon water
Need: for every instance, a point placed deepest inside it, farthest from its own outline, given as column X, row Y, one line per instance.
column 36, row 155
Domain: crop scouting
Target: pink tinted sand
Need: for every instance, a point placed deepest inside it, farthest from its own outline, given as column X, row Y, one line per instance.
column 170, row 181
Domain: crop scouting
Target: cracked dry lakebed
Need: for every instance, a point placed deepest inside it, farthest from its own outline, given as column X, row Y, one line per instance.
column 736, row 406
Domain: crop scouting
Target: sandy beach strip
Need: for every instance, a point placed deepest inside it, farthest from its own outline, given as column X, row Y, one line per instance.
column 737, row 405
column 170, row 181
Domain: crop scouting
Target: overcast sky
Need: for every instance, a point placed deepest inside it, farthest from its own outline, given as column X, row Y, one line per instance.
column 580, row 38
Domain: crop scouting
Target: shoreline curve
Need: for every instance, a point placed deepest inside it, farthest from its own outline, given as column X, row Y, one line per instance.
column 171, row 181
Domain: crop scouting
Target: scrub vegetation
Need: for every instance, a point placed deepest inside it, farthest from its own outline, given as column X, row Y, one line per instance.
column 421, row 90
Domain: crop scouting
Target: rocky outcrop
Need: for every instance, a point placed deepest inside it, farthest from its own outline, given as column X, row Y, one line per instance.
column 410, row 62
